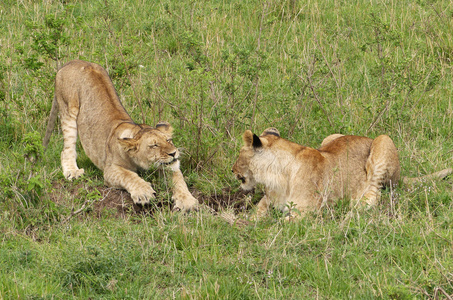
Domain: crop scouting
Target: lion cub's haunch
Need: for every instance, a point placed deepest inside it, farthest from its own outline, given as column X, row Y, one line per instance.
column 89, row 106
column 344, row 166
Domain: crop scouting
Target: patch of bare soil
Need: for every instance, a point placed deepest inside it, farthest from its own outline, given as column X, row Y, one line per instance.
column 99, row 200
column 239, row 201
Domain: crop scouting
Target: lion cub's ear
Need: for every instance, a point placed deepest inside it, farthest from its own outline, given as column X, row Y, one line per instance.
column 128, row 144
column 165, row 127
column 251, row 140
column 271, row 131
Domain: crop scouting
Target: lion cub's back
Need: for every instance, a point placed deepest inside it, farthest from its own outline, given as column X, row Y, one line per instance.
column 88, row 86
column 348, row 150
column 352, row 144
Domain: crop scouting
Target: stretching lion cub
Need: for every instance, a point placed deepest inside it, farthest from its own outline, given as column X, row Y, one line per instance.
column 294, row 175
column 89, row 106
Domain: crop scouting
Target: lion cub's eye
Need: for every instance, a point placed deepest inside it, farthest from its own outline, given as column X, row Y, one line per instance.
column 170, row 141
column 153, row 146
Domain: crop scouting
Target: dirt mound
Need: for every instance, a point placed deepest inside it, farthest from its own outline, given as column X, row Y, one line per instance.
column 239, row 201
column 99, row 200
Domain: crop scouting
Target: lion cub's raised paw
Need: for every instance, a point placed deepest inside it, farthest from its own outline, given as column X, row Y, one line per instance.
column 143, row 194
column 185, row 203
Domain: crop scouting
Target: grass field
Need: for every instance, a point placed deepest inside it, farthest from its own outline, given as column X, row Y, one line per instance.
column 214, row 69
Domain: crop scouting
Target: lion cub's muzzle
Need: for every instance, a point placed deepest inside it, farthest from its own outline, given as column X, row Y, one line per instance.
column 247, row 180
column 174, row 155
column 170, row 162
column 241, row 178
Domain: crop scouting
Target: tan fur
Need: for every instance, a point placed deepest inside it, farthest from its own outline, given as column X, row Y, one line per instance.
column 90, row 108
column 304, row 178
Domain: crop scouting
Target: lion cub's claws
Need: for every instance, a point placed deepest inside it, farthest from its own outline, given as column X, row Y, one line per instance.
column 185, row 203
column 143, row 195
column 74, row 174
column 178, row 209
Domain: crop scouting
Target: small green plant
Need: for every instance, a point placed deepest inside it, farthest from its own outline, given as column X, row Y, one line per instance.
column 47, row 38
column 292, row 210
column 33, row 149
column 23, row 190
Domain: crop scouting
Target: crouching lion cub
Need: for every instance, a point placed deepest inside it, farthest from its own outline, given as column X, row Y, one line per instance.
column 89, row 106
column 305, row 178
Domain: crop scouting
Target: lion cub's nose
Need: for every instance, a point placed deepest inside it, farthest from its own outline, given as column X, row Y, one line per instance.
column 172, row 154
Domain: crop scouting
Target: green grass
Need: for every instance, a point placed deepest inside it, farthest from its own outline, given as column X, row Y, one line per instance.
column 197, row 256
column 213, row 69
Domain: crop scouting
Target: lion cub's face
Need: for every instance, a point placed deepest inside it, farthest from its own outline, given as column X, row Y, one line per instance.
column 152, row 146
column 241, row 168
column 252, row 150
column 156, row 148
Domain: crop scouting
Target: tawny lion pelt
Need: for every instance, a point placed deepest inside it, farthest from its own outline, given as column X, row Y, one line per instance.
column 304, row 178
column 89, row 106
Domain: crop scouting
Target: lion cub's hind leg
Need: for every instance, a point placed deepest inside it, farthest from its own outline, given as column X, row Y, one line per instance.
column 382, row 169
column 69, row 154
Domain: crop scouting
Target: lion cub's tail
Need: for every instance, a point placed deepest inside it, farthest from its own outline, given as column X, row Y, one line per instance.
column 437, row 175
column 51, row 123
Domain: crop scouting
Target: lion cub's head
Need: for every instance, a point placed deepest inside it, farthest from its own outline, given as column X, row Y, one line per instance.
column 252, row 148
column 151, row 146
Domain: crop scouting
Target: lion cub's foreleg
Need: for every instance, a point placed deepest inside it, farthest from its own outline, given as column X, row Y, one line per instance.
column 119, row 177
column 69, row 154
column 382, row 169
column 142, row 192
column 261, row 208
column 184, row 201
column 293, row 211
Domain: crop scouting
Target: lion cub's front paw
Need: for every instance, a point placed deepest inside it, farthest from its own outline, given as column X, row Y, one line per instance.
column 185, row 202
column 257, row 216
column 143, row 194
column 73, row 174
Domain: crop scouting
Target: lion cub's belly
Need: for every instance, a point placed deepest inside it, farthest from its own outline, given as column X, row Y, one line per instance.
column 92, row 135
column 346, row 180
column 346, row 174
